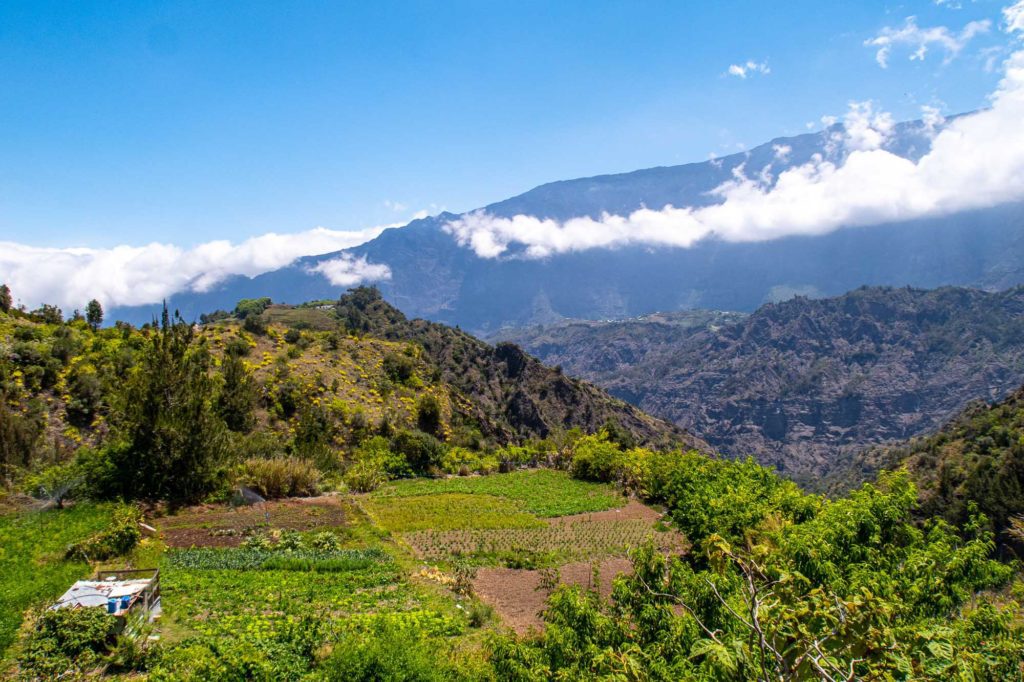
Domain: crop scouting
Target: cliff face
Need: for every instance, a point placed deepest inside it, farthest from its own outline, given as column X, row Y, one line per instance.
column 802, row 385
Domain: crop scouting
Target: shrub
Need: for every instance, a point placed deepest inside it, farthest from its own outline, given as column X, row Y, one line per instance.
column 117, row 540
column 428, row 415
column 421, row 450
column 596, row 458
column 398, row 368
column 281, row 477
column 365, row 475
column 66, row 641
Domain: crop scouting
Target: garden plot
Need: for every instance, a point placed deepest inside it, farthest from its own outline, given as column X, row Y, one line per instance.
column 221, row 526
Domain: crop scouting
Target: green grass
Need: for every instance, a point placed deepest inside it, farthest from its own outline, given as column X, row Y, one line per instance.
column 448, row 511
column 543, row 492
column 32, row 566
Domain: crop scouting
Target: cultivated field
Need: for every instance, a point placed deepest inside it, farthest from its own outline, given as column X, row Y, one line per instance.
column 448, row 557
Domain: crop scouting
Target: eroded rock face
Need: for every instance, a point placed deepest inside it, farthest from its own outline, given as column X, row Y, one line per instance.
column 803, row 384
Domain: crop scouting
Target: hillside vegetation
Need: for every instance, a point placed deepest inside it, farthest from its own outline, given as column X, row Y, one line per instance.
column 973, row 463
column 804, row 384
column 335, row 384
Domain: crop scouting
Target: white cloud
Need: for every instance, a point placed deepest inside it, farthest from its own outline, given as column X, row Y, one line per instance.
column 919, row 39
column 748, row 68
column 782, row 151
column 975, row 161
column 1013, row 17
column 346, row 270
column 396, row 206
column 134, row 275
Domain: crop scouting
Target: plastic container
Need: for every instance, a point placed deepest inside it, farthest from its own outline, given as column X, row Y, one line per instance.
column 125, row 601
column 112, row 605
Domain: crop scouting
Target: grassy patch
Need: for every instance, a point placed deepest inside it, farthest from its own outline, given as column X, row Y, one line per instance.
column 32, row 565
column 448, row 511
column 543, row 492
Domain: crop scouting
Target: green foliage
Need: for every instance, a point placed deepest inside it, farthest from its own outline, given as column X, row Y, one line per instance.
column 281, row 477
column 428, row 415
column 399, row 368
column 707, row 496
column 542, row 492
column 34, row 545
column 448, row 511
column 388, row 653
column 18, row 436
column 5, row 299
column 118, row 539
column 171, row 443
column 94, row 314
column 421, row 450
column 328, row 558
column 66, row 642
column 365, row 475
column 251, row 307
column 844, row 589
column 236, row 401
column 596, row 458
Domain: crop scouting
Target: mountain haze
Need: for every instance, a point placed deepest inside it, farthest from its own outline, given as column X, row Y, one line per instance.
column 435, row 278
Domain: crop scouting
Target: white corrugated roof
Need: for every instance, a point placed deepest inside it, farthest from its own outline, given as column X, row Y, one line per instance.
column 97, row 592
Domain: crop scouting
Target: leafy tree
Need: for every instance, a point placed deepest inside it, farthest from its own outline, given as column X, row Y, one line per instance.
column 250, row 307
column 94, row 314
column 171, row 443
column 428, row 415
column 5, row 298
column 236, row 402
column 596, row 458
column 314, row 436
column 50, row 314
column 421, row 450
column 18, row 436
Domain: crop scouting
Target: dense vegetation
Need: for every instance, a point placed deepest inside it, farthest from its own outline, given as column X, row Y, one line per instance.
column 745, row 576
column 348, row 391
column 805, row 384
column 974, row 463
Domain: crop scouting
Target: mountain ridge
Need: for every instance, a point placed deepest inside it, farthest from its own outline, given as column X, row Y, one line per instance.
column 804, row 384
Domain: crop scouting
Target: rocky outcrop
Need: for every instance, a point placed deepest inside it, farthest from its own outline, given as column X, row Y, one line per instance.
column 804, row 384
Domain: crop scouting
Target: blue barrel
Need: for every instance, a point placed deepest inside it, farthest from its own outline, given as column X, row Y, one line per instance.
column 112, row 605
column 125, row 601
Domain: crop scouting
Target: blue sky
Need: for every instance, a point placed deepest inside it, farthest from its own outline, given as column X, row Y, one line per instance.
column 132, row 122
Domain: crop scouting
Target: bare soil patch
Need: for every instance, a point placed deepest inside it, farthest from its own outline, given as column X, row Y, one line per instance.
column 224, row 526
column 518, row 598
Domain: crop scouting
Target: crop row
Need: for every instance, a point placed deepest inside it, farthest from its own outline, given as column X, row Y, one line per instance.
column 271, row 559
column 584, row 539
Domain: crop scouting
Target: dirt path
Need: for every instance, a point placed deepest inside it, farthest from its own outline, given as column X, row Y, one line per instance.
column 516, row 594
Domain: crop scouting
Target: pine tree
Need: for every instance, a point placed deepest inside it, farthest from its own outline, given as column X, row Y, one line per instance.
column 5, row 298
column 94, row 314
column 171, row 442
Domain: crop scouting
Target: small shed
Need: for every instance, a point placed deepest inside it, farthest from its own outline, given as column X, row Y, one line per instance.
column 132, row 596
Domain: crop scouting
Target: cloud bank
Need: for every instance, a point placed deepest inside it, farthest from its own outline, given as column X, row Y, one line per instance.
column 135, row 275
column 975, row 161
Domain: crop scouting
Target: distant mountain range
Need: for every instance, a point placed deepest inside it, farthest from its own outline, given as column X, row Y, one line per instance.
column 435, row 278
column 806, row 384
